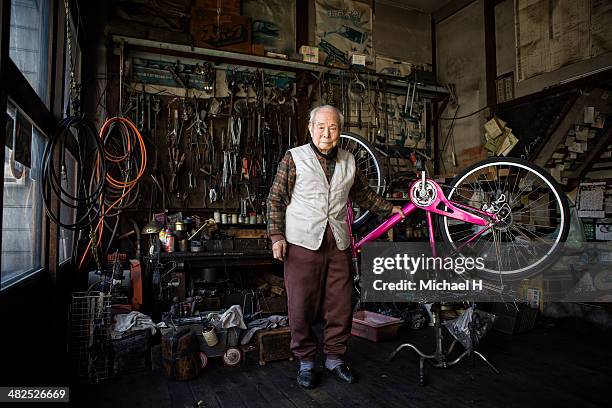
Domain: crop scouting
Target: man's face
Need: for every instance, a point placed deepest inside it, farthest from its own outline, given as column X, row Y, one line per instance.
column 325, row 131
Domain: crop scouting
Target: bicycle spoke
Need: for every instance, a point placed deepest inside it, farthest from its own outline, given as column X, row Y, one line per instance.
column 523, row 229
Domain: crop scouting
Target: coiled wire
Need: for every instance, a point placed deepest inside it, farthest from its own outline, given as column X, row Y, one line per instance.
column 126, row 157
column 81, row 134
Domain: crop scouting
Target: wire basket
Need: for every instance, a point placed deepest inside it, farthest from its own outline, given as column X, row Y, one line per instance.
column 90, row 345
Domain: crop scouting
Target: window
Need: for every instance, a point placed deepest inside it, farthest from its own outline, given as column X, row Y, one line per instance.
column 22, row 213
column 29, row 47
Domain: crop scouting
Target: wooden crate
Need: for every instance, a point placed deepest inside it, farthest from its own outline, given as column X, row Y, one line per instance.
column 273, row 344
column 273, row 305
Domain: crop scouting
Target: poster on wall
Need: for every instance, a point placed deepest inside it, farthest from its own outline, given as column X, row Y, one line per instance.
column 344, row 28
column 601, row 21
column 393, row 67
column 551, row 35
column 273, row 23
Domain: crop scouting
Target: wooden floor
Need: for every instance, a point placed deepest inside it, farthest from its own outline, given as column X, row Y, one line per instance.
column 561, row 366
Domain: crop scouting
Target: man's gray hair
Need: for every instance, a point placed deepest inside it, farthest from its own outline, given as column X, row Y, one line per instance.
column 314, row 111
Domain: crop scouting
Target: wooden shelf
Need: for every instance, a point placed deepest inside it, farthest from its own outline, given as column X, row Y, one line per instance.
column 196, row 53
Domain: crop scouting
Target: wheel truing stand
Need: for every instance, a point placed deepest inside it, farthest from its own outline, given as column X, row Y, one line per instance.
column 439, row 357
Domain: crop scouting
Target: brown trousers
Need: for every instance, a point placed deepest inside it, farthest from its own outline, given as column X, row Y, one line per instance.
column 318, row 284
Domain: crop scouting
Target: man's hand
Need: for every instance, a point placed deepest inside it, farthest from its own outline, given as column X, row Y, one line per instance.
column 279, row 249
column 397, row 210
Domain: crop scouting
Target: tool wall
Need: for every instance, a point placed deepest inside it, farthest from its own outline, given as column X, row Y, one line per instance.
column 216, row 131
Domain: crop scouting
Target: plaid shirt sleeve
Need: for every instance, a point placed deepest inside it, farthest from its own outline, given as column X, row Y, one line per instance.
column 365, row 197
column 279, row 197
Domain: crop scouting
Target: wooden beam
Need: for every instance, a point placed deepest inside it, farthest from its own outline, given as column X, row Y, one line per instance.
column 590, row 81
column 22, row 93
column 301, row 24
column 449, row 9
column 57, row 47
column 575, row 177
column 56, row 98
column 490, row 52
column 567, row 119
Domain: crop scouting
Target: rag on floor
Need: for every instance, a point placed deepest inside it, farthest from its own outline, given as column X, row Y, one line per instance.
column 271, row 322
column 131, row 322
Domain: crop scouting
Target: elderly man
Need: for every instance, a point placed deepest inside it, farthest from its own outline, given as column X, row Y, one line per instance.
column 309, row 232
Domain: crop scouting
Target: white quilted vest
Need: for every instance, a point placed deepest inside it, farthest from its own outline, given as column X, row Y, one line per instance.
column 315, row 201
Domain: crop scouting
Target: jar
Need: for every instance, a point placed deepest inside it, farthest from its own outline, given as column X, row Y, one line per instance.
column 234, row 218
column 224, row 218
column 183, row 245
column 196, row 245
column 217, row 217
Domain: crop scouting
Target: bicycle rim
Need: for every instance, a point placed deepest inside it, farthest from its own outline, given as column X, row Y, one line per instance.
column 533, row 216
column 366, row 160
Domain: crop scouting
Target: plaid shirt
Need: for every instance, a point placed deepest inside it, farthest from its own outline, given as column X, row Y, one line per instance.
column 282, row 187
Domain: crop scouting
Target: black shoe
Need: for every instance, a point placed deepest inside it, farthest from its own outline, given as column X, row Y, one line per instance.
column 307, row 378
column 343, row 373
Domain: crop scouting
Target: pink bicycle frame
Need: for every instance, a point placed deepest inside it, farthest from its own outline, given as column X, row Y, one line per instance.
column 452, row 210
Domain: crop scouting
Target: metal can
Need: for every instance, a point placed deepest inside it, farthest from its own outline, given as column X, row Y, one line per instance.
column 169, row 241
column 183, row 245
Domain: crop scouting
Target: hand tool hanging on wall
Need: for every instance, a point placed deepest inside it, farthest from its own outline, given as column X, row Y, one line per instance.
column 175, row 158
column 356, row 94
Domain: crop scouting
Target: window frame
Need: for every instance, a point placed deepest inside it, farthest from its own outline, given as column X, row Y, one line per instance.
column 44, row 117
column 37, row 207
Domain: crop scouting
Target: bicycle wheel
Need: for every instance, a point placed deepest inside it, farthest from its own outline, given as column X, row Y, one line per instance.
column 533, row 217
column 367, row 161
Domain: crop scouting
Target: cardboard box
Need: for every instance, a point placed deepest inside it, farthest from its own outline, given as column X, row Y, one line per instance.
column 258, row 49
column 229, row 32
column 310, row 54
column 374, row 326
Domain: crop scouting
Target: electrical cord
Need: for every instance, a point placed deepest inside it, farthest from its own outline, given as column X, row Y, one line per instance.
column 122, row 154
column 132, row 155
column 466, row 116
column 84, row 134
